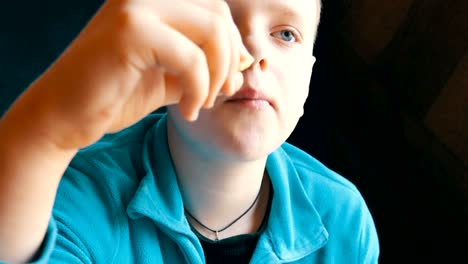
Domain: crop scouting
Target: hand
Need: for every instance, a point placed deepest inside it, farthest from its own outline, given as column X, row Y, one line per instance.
column 133, row 57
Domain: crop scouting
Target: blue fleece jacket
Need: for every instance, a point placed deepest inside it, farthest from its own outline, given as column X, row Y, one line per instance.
column 119, row 202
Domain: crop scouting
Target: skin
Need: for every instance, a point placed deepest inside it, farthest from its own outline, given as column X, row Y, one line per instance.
column 220, row 159
column 119, row 69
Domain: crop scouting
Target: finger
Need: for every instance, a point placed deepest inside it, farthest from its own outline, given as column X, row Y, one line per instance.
column 208, row 29
column 227, row 87
column 246, row 59
column 240, row 57
column 180, row 57
column 222, row 8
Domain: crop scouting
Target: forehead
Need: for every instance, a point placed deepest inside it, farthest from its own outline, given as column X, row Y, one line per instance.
column 305, row 11
column 302, row 8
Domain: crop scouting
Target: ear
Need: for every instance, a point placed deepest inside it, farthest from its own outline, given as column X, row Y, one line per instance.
column 314, row 59
column 311, row 64
column 301, row 114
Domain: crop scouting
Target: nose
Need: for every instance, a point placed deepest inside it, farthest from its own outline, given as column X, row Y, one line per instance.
column 256, row 47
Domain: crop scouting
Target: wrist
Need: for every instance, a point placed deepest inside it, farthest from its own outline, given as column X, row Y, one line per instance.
column 29, row 125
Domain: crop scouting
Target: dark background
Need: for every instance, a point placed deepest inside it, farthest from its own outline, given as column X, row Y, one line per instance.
column 388, row 107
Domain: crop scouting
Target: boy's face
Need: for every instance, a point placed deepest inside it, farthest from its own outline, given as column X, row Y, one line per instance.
column 280, row 35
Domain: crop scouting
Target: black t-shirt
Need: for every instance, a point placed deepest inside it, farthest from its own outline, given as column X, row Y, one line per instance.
column 237, row 249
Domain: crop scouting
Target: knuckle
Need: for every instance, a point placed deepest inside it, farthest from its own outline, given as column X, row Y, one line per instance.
column 129, row 22
column 128, row 18
column 216, row 26
column 198, row 59
column 222, row 8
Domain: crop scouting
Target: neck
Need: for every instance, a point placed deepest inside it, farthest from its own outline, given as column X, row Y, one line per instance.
column 216, row 192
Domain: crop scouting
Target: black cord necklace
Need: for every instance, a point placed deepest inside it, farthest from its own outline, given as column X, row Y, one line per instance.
column 216, row 232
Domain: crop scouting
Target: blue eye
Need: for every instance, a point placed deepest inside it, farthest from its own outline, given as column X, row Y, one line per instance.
column 286, row 35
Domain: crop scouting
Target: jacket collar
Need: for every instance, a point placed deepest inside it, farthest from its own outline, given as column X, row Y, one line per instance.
column 294, row 227
column 160, row 200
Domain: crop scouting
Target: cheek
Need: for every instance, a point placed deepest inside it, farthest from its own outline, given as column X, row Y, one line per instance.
column 293, row 81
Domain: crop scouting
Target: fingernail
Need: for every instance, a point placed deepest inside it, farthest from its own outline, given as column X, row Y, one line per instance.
column 209, row 103
column 212, row 102
column 245, row 64
column 245, row 60
column 194, row 116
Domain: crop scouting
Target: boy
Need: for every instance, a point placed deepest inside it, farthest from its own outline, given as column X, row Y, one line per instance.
column 210, row 181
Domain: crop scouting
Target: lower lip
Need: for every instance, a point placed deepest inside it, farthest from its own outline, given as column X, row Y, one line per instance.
column 251, row 103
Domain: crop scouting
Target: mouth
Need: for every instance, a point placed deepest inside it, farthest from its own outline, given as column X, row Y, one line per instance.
column 256, row 104
column 250, row 97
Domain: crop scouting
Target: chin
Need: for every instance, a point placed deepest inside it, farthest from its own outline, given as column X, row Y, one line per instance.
column 248, row 152
column 248, row 145
column 242, row 138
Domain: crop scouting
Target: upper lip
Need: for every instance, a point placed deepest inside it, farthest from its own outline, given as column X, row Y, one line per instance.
column 249, row 93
